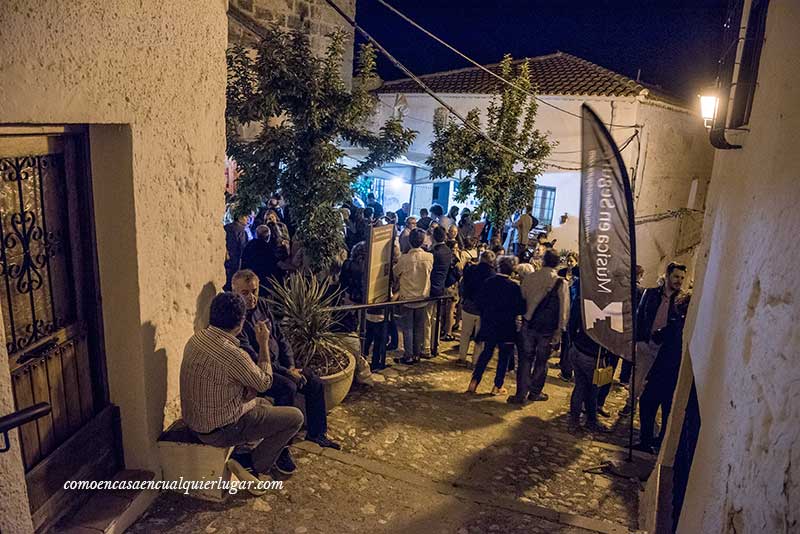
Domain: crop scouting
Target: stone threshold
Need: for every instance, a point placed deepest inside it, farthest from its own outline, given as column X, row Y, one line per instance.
column 112, row 511
column 466, row 493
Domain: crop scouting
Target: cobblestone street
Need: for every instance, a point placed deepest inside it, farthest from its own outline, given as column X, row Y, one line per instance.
column 420, row 455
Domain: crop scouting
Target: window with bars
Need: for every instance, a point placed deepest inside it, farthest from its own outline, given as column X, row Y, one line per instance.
column 543, row 202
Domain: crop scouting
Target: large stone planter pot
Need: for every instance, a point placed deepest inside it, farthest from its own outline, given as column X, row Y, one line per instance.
column 338, row 385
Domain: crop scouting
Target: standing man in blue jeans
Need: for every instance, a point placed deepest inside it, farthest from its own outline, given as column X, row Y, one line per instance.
column 547, row 310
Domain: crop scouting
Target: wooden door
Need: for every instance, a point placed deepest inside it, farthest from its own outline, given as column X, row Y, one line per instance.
column 50, row 307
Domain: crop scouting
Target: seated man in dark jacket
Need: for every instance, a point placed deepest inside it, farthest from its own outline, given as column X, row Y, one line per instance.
column 287, row 379
column 472, row 282
column 500, row 302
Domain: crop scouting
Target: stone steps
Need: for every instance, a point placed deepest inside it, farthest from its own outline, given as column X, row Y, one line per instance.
column 112, row 511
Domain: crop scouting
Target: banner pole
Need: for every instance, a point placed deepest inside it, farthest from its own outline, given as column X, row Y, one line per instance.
column 632, row 400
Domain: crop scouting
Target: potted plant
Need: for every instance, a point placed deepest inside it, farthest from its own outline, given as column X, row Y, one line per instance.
column 302, row 305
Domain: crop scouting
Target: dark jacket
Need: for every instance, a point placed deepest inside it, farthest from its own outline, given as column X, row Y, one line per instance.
column 500, row 302
column 474, row 277
column 352, row 280
column 280, row 352
column 647, row 310
column 235, row 241
column 577, row 336
column 259, row 256
column 377, row 209
column 401, row 217
column 424, row 223
column 442, row 258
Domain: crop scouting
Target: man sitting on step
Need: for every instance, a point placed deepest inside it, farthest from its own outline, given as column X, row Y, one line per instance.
column 287, row 380
column 219, row 382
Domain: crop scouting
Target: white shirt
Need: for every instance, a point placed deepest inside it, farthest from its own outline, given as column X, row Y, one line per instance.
column 535, row 287
column 445, row 222
column 413, row 271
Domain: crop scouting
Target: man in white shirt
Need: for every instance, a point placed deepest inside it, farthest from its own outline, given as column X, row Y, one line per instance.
column 413, row 272
column 546, row 315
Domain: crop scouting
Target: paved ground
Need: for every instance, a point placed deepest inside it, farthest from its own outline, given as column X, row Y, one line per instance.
column 419, row 455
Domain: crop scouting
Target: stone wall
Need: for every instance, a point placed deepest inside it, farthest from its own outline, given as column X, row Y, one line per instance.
column 149, row 78
column 745, row 339
column 314, row 17
column 675, row 152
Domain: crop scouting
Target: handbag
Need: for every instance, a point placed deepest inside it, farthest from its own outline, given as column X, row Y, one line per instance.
column 602, row 376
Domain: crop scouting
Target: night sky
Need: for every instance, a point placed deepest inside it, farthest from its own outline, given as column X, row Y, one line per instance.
column 675, row 43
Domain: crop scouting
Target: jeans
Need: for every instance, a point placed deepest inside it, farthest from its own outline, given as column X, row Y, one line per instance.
column 375, row 336
column 506, row 352
column 430, row 311
column 625, row 373
column 284, row 390
column 564, row 359
column 413, row 324
column 585, row 392
column 532, row 369
column 470, row 324
column 657, row 392
column 449, row 310
column 393, row 336
column 273, row 425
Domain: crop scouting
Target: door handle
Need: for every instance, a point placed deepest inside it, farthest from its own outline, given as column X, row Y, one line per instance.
column 38, row 351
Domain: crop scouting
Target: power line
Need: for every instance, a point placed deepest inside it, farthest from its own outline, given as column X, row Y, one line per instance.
column 488, row 71
column 423, row 85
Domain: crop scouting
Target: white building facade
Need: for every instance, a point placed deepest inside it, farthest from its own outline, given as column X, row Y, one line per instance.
column 669, row 160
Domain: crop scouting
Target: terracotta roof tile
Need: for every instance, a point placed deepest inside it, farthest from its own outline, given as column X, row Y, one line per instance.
column 554, row 74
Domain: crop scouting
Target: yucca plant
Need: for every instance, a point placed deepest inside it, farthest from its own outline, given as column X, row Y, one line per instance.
column 301, row 304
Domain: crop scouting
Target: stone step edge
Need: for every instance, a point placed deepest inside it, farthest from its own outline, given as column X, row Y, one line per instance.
column 112, row 512
column 465, row 492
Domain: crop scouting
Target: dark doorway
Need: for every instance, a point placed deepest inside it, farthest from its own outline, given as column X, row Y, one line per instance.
column 50, row 304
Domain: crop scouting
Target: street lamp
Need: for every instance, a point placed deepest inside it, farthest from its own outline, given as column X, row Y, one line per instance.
column 708, row 107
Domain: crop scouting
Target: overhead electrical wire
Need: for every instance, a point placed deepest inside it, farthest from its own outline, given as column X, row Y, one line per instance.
column 422, row 84
column 425, row 87
column 488, row 71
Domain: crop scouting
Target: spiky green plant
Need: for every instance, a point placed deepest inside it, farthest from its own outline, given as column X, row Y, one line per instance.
column 301, row 303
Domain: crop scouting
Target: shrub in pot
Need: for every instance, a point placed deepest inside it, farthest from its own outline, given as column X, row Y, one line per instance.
column 302, row 305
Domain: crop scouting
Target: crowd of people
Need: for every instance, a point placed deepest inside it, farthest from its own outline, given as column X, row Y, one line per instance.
column 506, row 290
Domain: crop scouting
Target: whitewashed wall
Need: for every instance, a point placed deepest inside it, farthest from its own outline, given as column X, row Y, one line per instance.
column 149, row 77
column 745, row 341
column 674, row 150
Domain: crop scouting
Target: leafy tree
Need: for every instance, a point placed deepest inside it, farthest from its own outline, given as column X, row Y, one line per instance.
column 303, row 108
column 502, row 181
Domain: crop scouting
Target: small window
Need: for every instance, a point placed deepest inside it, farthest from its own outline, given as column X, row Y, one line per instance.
column 544, row 200
column 745, row 84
